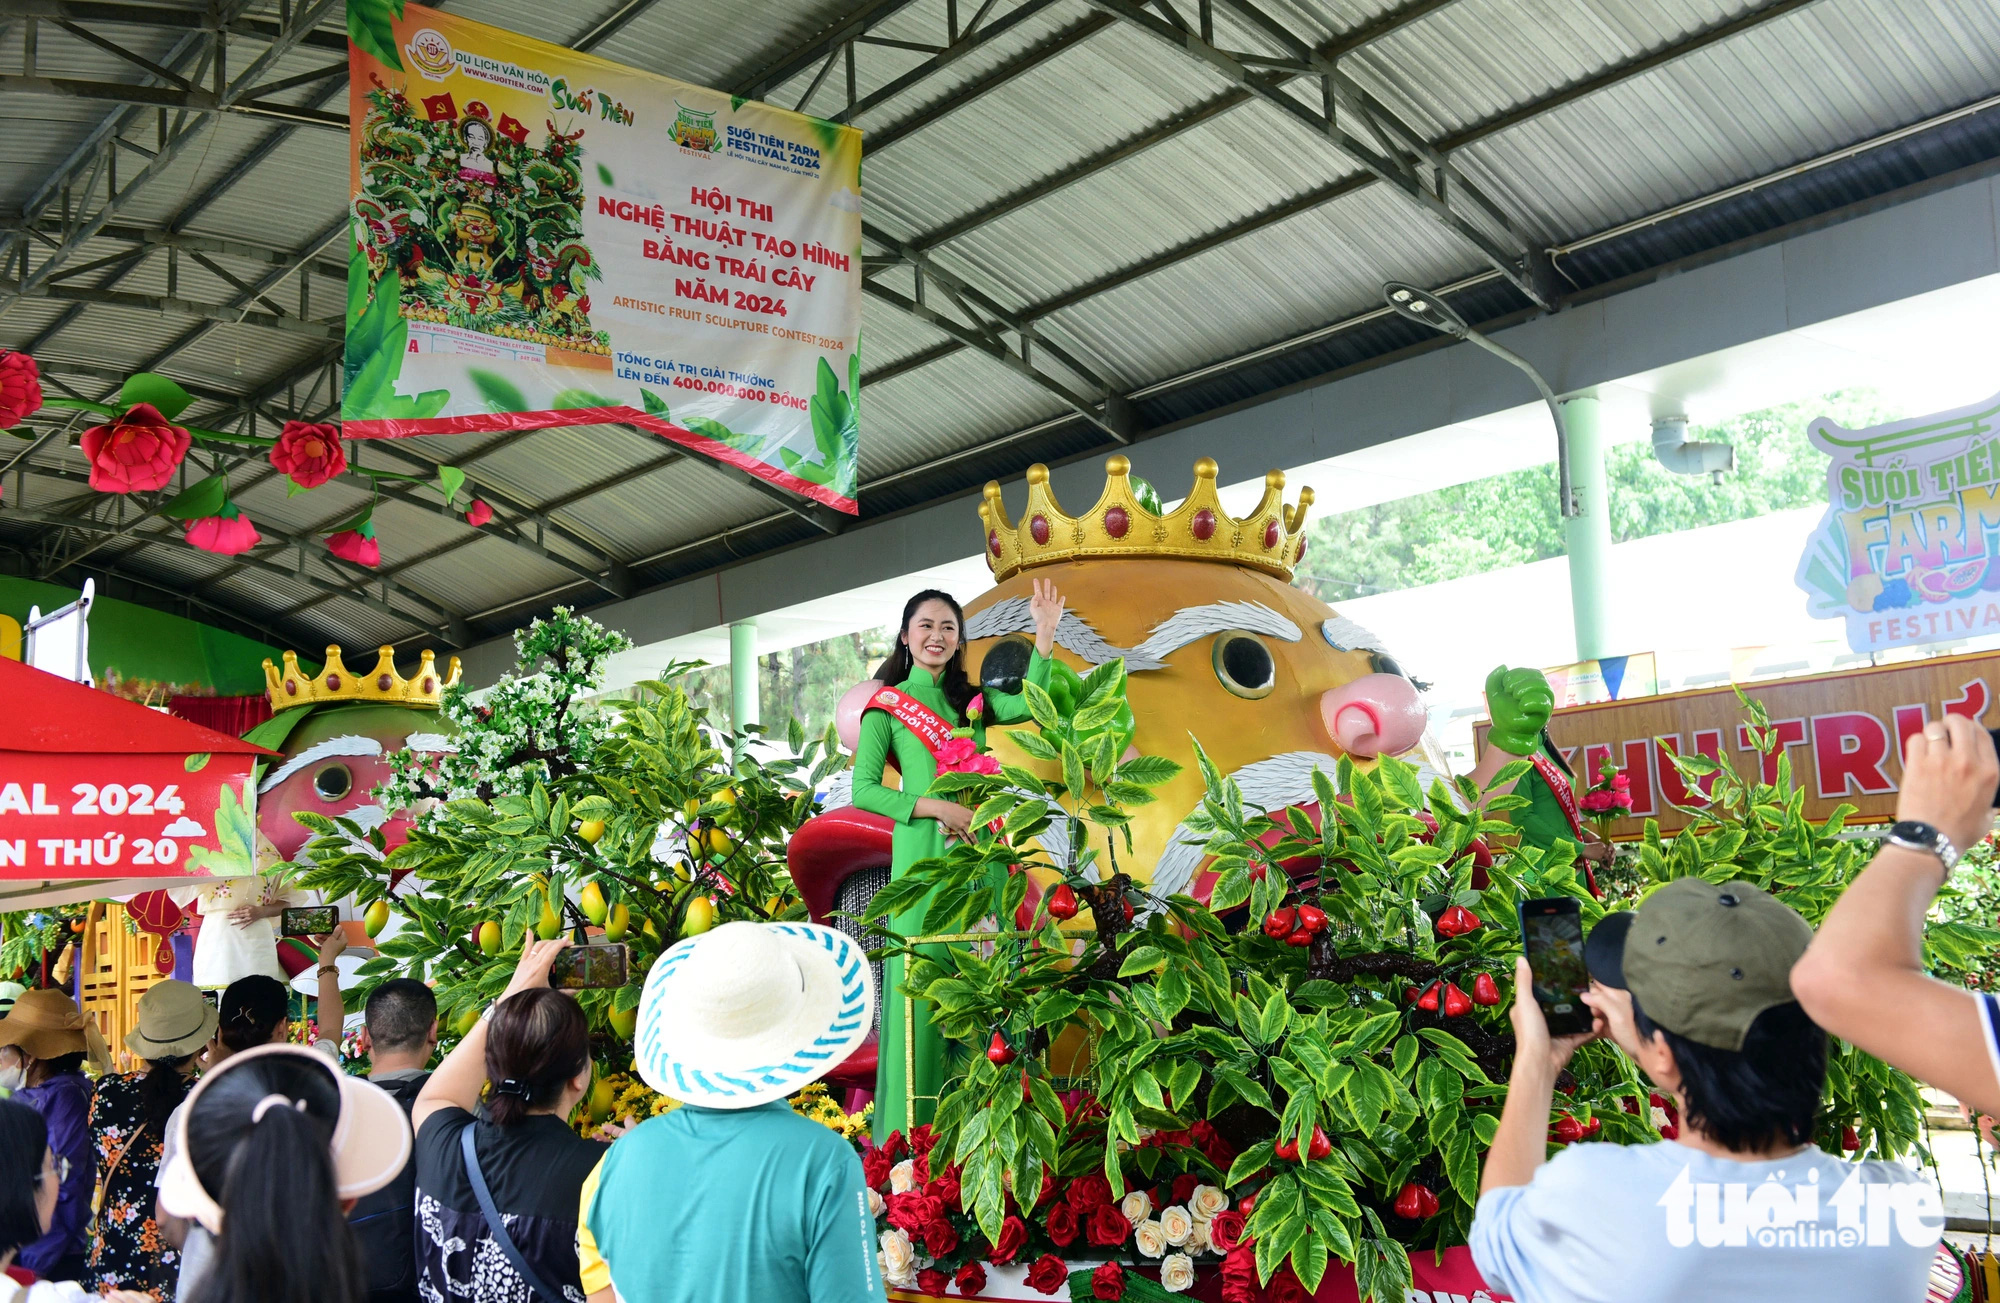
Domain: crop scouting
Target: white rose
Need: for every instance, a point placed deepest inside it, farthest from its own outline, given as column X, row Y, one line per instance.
column 1176, row 1225
column 876, row 1203
column 903, row 1177
column 1206, row 1202
column 1151, row 1238
column 1198, row 1239
column 1659, row 1118
column 1137, row 1206
column 899, row 1260
column 1176, row 1272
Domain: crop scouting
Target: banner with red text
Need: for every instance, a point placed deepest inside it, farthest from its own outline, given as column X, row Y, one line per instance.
column 542, row 238
column 1842, row 732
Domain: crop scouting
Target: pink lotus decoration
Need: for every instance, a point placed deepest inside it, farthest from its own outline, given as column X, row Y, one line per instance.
column 227, row 533
column 20, row 388
column 136, row 453
column 357, row 545
column 310, row 454
column 960, row 755
column 478, row 513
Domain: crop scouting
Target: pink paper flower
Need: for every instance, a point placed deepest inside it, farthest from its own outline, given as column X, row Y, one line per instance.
column 357, row 545
column 227, row 533
column 478, row 513
column 310, row 454
column 975, row 708
column 960, row 755
column 136, row 453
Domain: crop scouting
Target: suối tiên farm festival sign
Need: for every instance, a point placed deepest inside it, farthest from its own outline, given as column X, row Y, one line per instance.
column 1909, row 549
column 546, row 238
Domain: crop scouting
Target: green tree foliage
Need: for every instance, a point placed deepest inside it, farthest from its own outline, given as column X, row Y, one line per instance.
column 1510, row 520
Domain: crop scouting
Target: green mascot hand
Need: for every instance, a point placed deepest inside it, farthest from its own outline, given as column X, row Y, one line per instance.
column 1520, row 703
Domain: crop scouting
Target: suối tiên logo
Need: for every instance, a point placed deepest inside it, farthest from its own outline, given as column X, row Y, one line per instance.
column 430, row 54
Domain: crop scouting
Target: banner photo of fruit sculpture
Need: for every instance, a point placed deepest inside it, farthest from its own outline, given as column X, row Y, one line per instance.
column 100, row 796
column 1905, row 553
column 543, row 237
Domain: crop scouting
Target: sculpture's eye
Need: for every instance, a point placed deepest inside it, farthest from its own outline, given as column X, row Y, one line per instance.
column 332, row 782
column 1383, row 663
column 1006, row 661
column 1243, row 664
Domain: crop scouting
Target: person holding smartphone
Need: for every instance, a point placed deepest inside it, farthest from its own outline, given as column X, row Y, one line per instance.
column 1864, row 978
column 1694, row 987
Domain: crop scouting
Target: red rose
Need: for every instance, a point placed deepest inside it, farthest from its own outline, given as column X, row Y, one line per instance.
column 1062, row 1224
column 875, row 1167
column 1239, row 1273
column 945, row 1190
column 1286, row 1287
column 921, row 1168
column 357, row 545
column 1088, row 1192
column 310, row 454
column 1048, row 1190
column 932, row 1281
column 913, row 1210
column 1013, row 1234
column 1051, row 1273
column 971, row 1279
column 226, row 534
column 139, row 451
column 20, row 388
column 895, row 1146
column 1108, row 1227
column 1225, row 1229
column 1213, row 1147
column 478, row 513
column 1108, row 1282
column 1184, row 1185
column 941, row 1237
column 922, row 1138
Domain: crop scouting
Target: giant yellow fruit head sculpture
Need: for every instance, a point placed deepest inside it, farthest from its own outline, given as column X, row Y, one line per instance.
column 1217, row 645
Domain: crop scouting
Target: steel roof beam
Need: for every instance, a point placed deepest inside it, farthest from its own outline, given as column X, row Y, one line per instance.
column 159, row 16
column 219, row 614
column 161, row 305
column 1478, row 132
column 190, row 100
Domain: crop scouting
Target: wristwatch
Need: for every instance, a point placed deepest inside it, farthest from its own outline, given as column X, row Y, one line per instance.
column 1915, row 836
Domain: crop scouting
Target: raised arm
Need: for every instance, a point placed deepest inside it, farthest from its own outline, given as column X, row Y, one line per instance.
column 1863, row 979
column 332, row 1011
column 460, row 1078
column 1046, row 606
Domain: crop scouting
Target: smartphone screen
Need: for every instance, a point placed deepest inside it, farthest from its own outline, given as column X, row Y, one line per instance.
column 1552, row 933
column 311, row 920
column 594, row 967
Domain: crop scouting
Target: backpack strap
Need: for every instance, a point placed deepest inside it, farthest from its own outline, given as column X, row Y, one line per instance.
column 496, row 1227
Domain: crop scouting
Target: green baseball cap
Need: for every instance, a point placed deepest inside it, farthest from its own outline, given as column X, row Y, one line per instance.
column 1703, row 959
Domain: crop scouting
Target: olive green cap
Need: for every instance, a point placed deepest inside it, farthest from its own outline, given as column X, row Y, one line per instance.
column 1703, row 959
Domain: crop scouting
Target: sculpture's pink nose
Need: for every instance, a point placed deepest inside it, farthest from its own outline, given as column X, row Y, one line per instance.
column 1377, row 714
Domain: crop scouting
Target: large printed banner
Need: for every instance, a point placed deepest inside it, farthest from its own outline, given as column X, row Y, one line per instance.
column 1842, row 732
column 546, row 238
column 1909, row 549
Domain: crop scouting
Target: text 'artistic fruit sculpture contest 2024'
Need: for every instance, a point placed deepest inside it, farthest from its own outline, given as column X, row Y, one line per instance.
column 1243, row 1019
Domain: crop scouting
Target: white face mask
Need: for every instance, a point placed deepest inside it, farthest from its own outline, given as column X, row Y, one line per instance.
column 12, row 1078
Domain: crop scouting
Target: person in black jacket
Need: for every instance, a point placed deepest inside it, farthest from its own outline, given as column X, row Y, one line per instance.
column 401, row 1036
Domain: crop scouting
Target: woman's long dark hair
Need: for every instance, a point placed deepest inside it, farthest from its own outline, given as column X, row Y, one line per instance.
column 24, row 1138
column 958, row 689
column 161, row 1090
column 284, row 1236
column 537, row 1043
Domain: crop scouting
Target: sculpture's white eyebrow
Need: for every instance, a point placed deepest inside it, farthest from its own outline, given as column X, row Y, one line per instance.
column 349, row 745
column 1343, row 634
column 1184, row 626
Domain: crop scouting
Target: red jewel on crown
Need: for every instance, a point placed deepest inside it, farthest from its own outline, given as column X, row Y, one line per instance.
column 1116, row 522
column 333, row 682
column 1203, row 525
column 1038, row 529
column 993, row 541
column 1271, row 534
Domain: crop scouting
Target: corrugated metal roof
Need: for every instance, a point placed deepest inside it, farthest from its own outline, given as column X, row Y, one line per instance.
column 1195, row 246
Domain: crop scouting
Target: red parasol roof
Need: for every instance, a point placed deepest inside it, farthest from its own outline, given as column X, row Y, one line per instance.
column 43, row 712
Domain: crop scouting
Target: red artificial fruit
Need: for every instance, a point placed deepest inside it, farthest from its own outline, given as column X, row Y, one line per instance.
column 1410, row 994
column 1062, row 902
column 1457, row 1003
column 1850, row 1139
column 1258, row 872
column 1429, row 999
column 1299, row 938
column 1485, row 990
column 1287, row 1150
column 1312, row 918
column 1000, row 1052
column 1319, row 1146
column 1592, row 1127
column 1416, row 1202
column 1126, row 901
column 1457, row 921
column 1278, row 924
column 1566, row 1129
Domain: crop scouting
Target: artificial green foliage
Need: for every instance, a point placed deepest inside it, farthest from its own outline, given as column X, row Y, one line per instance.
column 689, row 813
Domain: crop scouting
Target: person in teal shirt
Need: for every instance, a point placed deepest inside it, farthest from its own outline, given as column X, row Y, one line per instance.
column 733, row 1197
column 929, row 666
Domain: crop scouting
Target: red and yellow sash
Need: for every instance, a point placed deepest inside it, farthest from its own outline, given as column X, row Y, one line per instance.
column 930, row 728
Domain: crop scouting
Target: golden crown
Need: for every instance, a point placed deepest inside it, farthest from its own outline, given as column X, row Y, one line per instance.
column 1271, row 538
column 291, row 687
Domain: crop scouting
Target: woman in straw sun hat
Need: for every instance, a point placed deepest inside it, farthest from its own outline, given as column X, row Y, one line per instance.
column 270, row 1151
column 766, row 1206
column 52, row 1038
column 128, row 1123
